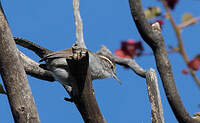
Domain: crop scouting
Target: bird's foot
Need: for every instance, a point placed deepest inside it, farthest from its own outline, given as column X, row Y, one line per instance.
column 68, row 99
column 78, row 53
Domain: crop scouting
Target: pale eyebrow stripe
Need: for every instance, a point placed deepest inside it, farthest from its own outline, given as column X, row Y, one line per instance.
column 107, row 60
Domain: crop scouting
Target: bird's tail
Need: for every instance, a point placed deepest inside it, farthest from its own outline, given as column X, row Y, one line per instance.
column 40, row 51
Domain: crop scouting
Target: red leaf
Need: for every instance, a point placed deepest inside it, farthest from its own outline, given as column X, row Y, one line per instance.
column 194, row 64
column 129, row 49
column 121, row 53
column 185, row 71
column 172, row 3
column 161, row 22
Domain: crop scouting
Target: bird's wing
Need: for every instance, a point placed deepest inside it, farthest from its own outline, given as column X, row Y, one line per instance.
column 59, row 54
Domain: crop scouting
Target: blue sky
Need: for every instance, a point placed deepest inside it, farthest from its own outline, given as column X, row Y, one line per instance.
column 50, row 24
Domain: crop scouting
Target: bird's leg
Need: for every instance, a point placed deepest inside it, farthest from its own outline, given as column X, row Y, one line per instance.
column 69, row 90
column 68, row 99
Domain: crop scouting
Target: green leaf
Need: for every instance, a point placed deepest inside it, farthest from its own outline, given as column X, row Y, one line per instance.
column 2, row 91
column 152, row 12
column 186, row 17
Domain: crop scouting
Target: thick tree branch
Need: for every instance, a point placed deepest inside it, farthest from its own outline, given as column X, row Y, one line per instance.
column 143, row 26
column 32, row 68
column 14, row 78
column 84, row 96
column 154, row 97
column 156, row 42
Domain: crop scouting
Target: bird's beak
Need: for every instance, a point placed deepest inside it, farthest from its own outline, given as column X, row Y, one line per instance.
column 115, row 76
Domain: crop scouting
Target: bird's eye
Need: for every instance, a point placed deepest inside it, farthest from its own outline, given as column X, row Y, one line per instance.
column 111, row 67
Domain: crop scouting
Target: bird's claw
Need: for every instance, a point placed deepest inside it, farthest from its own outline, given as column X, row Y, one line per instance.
column 68, row 99
column 78, row 54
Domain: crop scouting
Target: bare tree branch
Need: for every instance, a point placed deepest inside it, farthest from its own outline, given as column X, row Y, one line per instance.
column 84, row 96
column 188, row 23
column 14, row 77
column 154, row 97
column 32, row 68
column 180, row 42
column 156, row 42
column 78, row 24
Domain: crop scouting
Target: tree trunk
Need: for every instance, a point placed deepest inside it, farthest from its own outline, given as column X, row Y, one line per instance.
column 14, row 77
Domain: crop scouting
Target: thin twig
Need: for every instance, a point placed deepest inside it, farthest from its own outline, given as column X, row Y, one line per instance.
column 189, row 22
column 180, row 42
column 169, row 52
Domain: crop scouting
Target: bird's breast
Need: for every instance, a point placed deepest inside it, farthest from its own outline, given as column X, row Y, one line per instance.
column 59, row 69
column 61, row 75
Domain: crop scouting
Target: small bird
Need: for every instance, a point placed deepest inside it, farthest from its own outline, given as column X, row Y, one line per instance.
column 101, row 66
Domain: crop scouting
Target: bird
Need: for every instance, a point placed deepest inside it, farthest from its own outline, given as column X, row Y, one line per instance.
column 101, row 66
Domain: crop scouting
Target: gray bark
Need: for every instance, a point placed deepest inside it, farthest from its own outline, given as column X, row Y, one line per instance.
column 14, row 77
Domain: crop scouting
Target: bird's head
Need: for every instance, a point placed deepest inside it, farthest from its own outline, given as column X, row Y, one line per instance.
column 109, row 66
